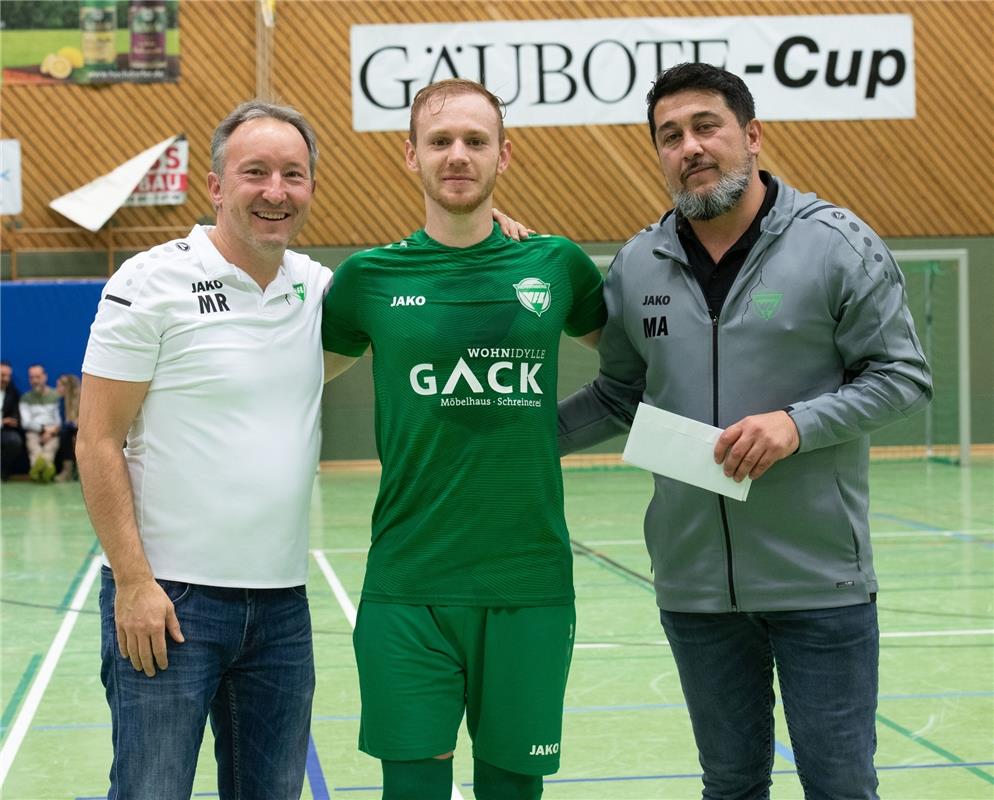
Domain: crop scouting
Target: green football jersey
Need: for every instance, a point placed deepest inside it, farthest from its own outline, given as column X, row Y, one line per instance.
column 465, row 348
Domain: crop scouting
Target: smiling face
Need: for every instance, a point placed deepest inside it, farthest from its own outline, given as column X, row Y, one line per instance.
column 264, row 193
column 458, row 151
column 707, row 157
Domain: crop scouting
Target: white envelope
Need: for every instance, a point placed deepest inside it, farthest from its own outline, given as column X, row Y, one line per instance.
column 680, row 448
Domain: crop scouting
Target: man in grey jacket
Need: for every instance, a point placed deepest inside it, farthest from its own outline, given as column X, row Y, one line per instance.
column 782, row 319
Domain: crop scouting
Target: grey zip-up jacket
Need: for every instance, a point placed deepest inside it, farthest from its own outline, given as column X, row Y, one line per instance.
column 816, row 323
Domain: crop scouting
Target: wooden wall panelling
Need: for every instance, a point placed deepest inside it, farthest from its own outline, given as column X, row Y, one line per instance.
column 929, row 176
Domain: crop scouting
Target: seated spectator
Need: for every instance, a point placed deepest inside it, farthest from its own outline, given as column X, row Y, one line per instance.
column 12, row 440
column 68, row 388
column 42, row 423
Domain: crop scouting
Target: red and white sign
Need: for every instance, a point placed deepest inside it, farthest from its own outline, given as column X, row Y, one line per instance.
column 165, row 183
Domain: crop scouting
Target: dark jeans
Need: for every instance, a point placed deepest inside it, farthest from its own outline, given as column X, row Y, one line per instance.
column 13, row 458
column 67, row 444
column 246, row 663
column 826, row 661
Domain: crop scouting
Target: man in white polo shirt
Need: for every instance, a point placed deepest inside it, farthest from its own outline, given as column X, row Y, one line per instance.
column 205, row 357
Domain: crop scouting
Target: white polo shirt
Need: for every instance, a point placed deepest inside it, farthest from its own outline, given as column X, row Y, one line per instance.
column 223, row 451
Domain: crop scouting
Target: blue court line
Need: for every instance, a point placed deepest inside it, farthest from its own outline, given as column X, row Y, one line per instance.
column 195, row 794
column 621, row 778
column 697, row 775
column 74, row 584
column 784, row 751
column 319, row 788
column 315, row 777
column 935, row 748
column 924, row 526
column 683, row 776
column 19, row 691
column 567, row 710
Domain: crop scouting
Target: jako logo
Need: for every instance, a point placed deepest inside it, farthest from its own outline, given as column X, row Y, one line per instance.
column 544, row 749
column 408, row 300
column 424, row 382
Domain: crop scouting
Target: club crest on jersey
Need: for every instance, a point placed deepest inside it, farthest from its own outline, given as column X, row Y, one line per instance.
column 300, row 290
column 534, row 294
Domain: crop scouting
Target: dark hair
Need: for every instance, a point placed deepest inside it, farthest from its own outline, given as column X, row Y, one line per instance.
column 454, row 86
column 260, row 109
column 693, row 76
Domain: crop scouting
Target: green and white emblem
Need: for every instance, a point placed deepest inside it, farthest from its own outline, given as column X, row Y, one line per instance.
column 300, row 290
column 767, row 303
column 534, row 294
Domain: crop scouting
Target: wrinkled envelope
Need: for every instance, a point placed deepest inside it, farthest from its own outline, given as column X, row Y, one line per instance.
column 680, row 448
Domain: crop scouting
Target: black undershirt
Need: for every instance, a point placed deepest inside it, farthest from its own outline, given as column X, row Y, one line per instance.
column 716, row 279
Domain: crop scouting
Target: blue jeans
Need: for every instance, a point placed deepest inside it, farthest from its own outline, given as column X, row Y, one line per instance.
column 826, row 662
column 247, row 663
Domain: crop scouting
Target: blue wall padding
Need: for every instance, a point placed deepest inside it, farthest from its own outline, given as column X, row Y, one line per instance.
column 46, row 322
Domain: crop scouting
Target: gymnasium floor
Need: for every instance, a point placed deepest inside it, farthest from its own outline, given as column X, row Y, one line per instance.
column 626, row 730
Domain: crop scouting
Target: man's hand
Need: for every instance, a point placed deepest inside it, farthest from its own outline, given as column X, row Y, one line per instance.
column 510, row 227
column 9, row 422
column 142, row 615
column 754, row 444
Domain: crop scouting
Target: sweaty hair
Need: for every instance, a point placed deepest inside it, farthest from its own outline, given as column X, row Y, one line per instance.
column 454, row 86
column 260, row 109
column 703, row 78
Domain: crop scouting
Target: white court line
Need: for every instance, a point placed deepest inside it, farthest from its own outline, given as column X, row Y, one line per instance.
column 926, row 534
column 912, row 634
column 345, row 602
column 336, row 586
column 20, row 727
column 888, row 635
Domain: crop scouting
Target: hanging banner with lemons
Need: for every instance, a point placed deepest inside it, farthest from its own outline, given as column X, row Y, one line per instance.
column 89, row 41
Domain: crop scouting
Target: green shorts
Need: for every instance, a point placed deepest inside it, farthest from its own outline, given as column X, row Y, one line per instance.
column 421, row 667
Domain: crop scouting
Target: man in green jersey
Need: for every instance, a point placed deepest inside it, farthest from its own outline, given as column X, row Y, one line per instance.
column 467, row 604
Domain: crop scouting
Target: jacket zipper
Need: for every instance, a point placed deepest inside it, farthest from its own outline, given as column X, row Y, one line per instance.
column 721, row 499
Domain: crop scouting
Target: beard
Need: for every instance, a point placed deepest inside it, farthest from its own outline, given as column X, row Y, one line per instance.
column 463, row 204
column 719, row 199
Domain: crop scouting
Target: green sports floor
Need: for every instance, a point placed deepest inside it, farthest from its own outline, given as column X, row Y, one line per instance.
column 626, row 730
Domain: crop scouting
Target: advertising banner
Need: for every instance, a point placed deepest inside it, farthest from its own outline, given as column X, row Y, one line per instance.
column 90, row 41
column 10, row 176
column 597, row 71
column 93, row 204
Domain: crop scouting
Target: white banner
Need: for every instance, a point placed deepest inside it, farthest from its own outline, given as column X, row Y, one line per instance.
column 597, row 72
column 10, row 176
column 95, row 203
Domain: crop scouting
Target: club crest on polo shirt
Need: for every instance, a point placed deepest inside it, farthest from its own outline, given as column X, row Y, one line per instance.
column 534, row 294
column 300, row 290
